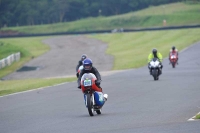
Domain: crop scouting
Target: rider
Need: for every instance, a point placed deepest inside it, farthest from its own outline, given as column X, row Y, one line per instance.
column 80, row 62
column 152, row 55
column 174, row 51
column 88, row 68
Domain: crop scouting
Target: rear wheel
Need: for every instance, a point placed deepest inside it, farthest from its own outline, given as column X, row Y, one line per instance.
column 90, row 105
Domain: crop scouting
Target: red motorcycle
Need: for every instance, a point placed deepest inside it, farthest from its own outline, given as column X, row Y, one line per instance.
column 93, row 96
column 173, row 57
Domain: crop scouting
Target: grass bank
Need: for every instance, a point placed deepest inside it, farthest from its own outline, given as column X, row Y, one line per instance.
column 197, row 116
column 13, row 86
column 29, row 48
column 131, row 50
column 174, row 14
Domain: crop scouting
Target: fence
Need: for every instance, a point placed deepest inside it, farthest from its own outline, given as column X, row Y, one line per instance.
column 9, row 60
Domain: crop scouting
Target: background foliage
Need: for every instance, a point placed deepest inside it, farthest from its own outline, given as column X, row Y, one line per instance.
column 35, row 12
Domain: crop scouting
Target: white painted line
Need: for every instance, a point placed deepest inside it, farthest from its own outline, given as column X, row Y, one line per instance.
column 103, row 73
column 193, row 118
column 32, row 90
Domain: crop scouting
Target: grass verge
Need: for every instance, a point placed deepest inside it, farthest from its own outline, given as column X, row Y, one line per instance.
column 197, row 116
column 29, row 48
column 13, row 86
column 131, row 50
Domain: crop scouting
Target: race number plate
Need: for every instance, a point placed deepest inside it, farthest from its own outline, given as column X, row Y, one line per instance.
column 87, row 82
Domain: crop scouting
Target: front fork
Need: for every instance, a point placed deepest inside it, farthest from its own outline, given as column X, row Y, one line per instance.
column 85, row 98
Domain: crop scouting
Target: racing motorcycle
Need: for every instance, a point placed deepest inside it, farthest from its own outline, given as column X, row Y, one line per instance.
column 94, row 100
column 79, row 70
column 155, row 68
column 173, row 59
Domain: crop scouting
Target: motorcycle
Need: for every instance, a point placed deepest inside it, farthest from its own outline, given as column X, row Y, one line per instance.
column 173, row 59
column 79, row 70
column 155, row 68
column 94, row 100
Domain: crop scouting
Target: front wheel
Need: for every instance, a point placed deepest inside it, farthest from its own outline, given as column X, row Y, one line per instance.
column 90, row 105
column 155, row 74
column 173, row 64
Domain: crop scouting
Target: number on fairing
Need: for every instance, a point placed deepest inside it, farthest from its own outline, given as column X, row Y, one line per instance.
column 87, row 82
column 100, row 97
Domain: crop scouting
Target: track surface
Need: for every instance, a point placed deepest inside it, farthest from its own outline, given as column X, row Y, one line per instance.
column 63, row 57
column 136, row 103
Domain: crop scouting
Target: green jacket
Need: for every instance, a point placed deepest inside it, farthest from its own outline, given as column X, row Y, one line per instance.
column 151, row 56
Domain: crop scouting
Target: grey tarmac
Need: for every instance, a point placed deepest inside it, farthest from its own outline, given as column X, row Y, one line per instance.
column 136, row 103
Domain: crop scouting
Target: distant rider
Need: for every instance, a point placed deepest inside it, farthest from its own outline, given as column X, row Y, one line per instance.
column 89, row 68
column 80, row 62
column 152, row 55
column 173, row 51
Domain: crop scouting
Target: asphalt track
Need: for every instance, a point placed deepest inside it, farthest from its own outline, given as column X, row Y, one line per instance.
column 136, row 103
column 64, row 54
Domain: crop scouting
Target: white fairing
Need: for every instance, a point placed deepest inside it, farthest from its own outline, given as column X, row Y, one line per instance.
column 155, row 63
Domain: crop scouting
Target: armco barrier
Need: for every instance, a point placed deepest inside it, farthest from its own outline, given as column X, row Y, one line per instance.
column 9, row 60
column 103, row 31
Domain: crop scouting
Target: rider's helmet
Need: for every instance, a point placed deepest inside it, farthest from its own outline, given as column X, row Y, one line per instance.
column 87, row 64
column 173, row 47
column 154, row 51
column 83, row 57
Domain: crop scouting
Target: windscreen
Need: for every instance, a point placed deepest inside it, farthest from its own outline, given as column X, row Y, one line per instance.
column 88, row 76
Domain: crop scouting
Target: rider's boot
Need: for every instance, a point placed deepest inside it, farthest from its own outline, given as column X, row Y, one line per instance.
column 105, row 96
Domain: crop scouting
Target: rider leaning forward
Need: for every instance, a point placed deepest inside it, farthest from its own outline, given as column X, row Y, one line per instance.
column 89, row 68
column 173, row 50
column 152, row 55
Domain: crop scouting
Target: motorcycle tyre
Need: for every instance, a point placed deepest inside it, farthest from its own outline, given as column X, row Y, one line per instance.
column 90, row 105
column 173, row 64
column 155, row 74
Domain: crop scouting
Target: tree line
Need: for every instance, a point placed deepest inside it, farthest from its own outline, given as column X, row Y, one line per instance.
column 36, row 12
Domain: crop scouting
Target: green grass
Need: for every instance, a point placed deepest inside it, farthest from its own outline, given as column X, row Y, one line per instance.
column 175, row 14
column 131, row 50
column 197, row 116
column 28, row 47
column 13, row 86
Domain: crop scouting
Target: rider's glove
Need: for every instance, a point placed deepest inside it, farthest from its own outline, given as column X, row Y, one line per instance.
column 149, row 65
column 161, row 65
column 97, row 82
column 77, row 74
